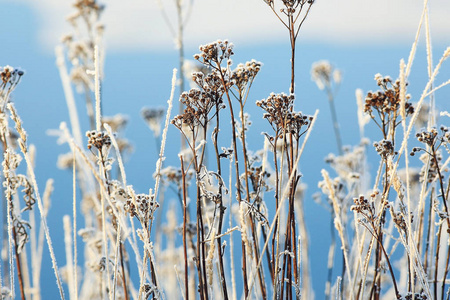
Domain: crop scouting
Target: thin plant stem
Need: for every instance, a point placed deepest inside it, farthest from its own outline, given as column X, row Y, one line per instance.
column 186, row 269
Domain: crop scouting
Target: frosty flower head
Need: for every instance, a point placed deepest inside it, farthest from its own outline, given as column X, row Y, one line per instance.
column 363, row 206
column 432, row 138
column 9, row 74
column 98, row 139
column 384, row 148
column 215, row 52
column 211, row 84
column 245, row 74
column 277, row 106
column 427, row 137
column 445, row 134
column 325, row 75
column 198, row 104
column 142, row 206
column 153, row 118
column 386, row 100
column 9, row 78
column 87, row 7
column 282, row 118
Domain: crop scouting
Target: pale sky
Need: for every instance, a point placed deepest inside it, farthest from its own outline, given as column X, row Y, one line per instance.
column 136, row 25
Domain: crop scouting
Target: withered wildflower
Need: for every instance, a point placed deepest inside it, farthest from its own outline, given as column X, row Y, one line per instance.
column 387, row 100
column 244, row 74
column 211, row 86
column 427, row 137
column 86, row 7
column 280, row 116
column 277, row 107
column 9, row 79
column 142, row 207
column 385, row 148
column 199, row 102
column 433, row 140
column 98, row 139
column 215, row 53
column 364, row 207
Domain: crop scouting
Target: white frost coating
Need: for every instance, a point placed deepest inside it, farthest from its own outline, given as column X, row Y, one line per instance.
column 164, row 136
column 445, row 114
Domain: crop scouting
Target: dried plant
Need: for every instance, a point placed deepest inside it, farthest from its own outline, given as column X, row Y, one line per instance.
column 392, row 225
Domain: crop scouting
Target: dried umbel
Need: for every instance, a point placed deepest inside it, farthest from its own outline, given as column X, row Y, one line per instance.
column 9, row 79
column 364, row 207
column 214, row 53
column 385, row 148
column 244, row 74
column 387, row 100
column 427, row 137
column 433, row 140
column 199, row 103
column 277, row 107
column 98, row 139
column 142, row 207
column 86, row 6
column 280, row 114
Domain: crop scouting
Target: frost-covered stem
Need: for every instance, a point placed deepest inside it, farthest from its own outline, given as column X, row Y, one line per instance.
column 337, row 132
column 89, row 106
column 102, row 167
column 74, row 209
column 441, row 184
column 247, row 188
column 220, row 204
column 331, row 252
column 233, row 273
column 68, row 93
column 98, row 107
column 122, row 264
column 69, row 256
column 32, row 176
column 276, row 233
column 292, row 38
column 180, row 44
column 436, row 261
column 429, row 237
column 186, row 270
column 236, row 164
column 394, row 282
column 286, row 190
column 444, row 277
column 164, row 135
column 18, row 263
column 200, row 255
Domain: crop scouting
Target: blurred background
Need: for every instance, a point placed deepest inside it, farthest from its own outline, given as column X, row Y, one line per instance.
column 360, row 39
